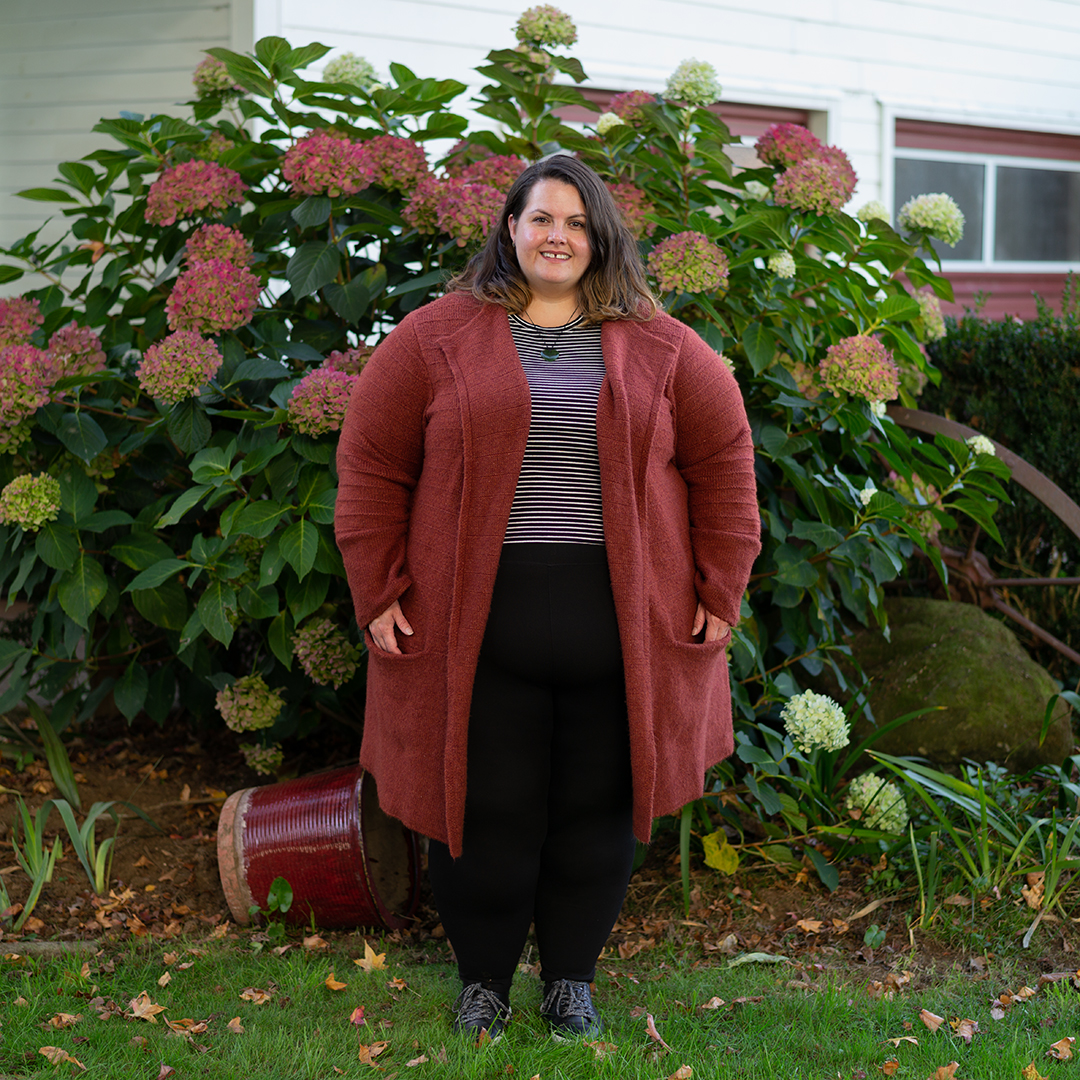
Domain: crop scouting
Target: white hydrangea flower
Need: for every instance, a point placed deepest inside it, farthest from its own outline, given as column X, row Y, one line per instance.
column 873, row 210
column 876, row 803
column 877, row 408
column 782, row 264
column 607, row 121
column 347, row 67
column 980, row 444
column 867, row 493
column 694, row 82
column 755, row 189
column 936, row 214
column 815, row 720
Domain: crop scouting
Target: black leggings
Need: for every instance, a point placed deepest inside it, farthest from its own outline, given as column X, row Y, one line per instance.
column 548, row 833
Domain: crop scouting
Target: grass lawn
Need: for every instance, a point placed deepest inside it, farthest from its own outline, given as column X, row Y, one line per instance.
column 776, row 1020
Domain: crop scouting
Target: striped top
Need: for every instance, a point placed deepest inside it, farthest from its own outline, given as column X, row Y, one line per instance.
column 558, row 492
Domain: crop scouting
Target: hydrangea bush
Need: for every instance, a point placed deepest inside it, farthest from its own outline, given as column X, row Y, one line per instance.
column 177, row 368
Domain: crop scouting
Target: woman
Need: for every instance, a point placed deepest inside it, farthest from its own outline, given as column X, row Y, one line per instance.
column 547, row 512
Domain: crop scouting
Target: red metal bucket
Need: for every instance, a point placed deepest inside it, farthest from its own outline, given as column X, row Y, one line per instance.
column 347, row 862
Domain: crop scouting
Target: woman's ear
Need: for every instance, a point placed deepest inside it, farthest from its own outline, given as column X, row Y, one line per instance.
column 511, row 224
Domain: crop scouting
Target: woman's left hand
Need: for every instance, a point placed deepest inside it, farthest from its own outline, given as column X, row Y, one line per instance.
column 715, row 627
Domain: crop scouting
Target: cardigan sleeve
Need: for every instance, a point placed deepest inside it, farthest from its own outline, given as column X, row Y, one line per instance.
column 379, row 458
column 715, row 455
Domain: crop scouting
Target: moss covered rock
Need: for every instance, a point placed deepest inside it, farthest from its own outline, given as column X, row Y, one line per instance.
column 956, row 656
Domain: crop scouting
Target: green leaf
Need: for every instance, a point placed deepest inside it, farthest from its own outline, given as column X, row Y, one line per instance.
column 259, row 603
column 77, row 494
column 272, row 50
column 140, row 550
column 106, row 519
column 164, row 605
column 182, row 505
column 280, row 638
column 41, row 194
column 245, row 72
column 79, row 175
column 830, row 876
column 314, row 210
column 821, row 535
column 129, row 691
column 56, row 546
column 82, row 588
column 10, row 273
column 306, row 596
column 82, row 435
column 314, row 265
column 793, row 569
column 152, row 577
column 189, row 426
column 899, row 308
column 349, row 301
column 760, row 346
column 259, row 518
column 258, row 368
column 214, row 607
column 299, row 545
column 161, row 694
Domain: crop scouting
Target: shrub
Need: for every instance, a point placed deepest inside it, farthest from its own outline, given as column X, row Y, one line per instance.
column 193, row 550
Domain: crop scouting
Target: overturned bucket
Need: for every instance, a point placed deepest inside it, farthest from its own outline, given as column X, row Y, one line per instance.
column 347, row 863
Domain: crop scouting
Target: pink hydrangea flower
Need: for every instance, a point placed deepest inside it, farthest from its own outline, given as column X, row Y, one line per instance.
column 190, row 188
column 422, row 210
column 325, row 653
column 930, row 323
column 545, row 24
column 26, row 373
column 351, row 361
column 784, row 145
column 463, row 154
column 819, row 185
column 212, row 296
column 264, row 760
column 30, row 501
column 633, row 204
column 19, row 318
column 319, row 401
column 178, row 366
column 249, row 704
column 218, row 242
column 628, row 105
column 396, row 164
column 862, row 366
column 467, row 211
column 76, row 350
column 688, row 262
column 213, row 146
column 498, row 171
column 322, row 164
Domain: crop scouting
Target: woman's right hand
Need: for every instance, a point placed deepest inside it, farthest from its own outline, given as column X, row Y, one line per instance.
column 382, row 629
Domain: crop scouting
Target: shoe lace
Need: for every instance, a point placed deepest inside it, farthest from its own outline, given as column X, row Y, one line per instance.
column 476, row 1003
column 569, row 998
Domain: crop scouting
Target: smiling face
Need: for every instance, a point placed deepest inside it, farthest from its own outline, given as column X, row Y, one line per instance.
column 550, row 240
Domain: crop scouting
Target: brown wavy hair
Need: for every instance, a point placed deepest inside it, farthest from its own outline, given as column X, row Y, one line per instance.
column 613, row 285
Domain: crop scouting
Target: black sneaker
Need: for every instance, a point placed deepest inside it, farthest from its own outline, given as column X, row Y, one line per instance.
column 568, row 1007
column 480, row 1009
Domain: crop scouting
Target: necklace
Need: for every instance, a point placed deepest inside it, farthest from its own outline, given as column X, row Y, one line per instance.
column 551, row 350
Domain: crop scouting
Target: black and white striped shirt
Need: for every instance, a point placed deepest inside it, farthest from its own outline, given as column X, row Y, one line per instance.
column 558, row 492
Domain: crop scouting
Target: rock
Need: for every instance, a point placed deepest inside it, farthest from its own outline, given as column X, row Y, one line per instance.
column 955, row 655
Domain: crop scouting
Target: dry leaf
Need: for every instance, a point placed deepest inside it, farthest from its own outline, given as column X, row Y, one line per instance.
column 253, row 993
column 59, row 1056
column 334, row 984
column 956, row 900
column 186, row 1027
column 650, row 1027
column 997, row 1012
column 965, row 1029
column 946, row 1072
column 84, row 971
column 170, row 958
column 184, row 967
column 166, row 1070
column 21, row 1001
column 165, row 979
column 185, row 793
column 144, row 1009
column 235, row 1026
column 1029, row 1072
column 1024, row 993
column 368, row 1054
column 143, row 862
column 810, row 926
column 683, row 1072
column 219, row 931
column 139, row 1041
column 890, row 1066
column 931, row 1020
column 64, row 1020
column 416, row 1061
column 315, row 942
column 1062, row 1049
column 713, row 1003
column 601, row 1049
column 357, row 1017
column 371, row 960
column 903, row 1038
column 840, row 926
column 397, row 983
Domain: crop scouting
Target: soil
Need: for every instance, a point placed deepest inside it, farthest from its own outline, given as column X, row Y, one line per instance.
column 164, row 881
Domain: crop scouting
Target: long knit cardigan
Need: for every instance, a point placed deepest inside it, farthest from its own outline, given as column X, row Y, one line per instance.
column 428, row 460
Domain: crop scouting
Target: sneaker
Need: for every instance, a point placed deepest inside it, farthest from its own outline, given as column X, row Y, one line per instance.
column 569, row 1010
column 480, row 1009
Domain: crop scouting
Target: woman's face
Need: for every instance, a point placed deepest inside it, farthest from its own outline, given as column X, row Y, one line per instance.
column 550, row 239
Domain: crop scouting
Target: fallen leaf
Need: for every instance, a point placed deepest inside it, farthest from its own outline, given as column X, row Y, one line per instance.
column 872, row 906
column 903, row 1038
column 235, row 1026
column 139, row 1041
column 650, row 1027
column 64, row 1020
column 21, row 1001
column 1062, row 1049
column 185, row 793
column 59, row 1056
column 397, row 983
column 186, row 1027
column 334, row 984
column 713, row 1003
column 170, row 958
column 357, row 1017
column 601, row 1049
column 315, row 942
column 219, row 931
column 33, row 925
column 84, row 971
column 956, row 900
column 757, row 958
column 144, row 1009
column 165, row 979
column 416, row 1061
column 1029, row 1072
column 371, row 960
column 965, row 1029
column 1024, row 993
column 890, row 1066
column 184, row 967
column 368, row 1054
column 946, row 1072
column 166, row 1070
column 1032, row 892
column 840, row 926
column 253, row 993
column 997, row 1012
column 683, row 1072
column 810, row 926
column 931, row 1020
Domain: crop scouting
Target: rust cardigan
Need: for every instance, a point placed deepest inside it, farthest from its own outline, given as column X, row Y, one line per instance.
column 428, row 461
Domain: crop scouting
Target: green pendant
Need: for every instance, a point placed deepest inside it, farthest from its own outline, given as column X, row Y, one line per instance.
column 550, row 353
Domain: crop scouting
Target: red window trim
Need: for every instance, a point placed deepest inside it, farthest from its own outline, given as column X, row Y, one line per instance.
column 969, row 138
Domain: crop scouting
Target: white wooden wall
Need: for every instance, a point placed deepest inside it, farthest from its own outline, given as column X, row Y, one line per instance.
column 64, row 64
column 860, row 62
